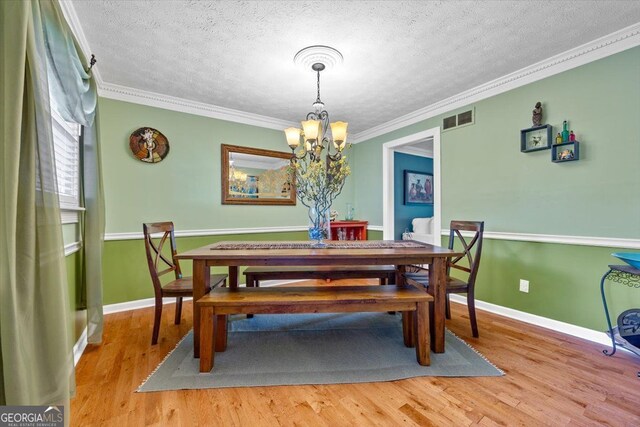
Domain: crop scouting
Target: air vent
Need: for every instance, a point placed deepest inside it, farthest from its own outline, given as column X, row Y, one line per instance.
column 465, row 118
column 449, row 122
column 459, row 119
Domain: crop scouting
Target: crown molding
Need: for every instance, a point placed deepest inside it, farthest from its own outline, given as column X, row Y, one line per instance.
column 158, row 100
column 613, row 43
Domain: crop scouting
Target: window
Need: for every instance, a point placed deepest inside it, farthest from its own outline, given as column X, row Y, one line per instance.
column 66, row 138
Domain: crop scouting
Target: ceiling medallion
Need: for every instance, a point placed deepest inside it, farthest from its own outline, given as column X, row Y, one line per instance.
column 310, row 55
column 149, row 145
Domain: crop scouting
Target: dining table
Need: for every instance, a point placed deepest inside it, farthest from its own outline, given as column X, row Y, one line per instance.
column 400, row 253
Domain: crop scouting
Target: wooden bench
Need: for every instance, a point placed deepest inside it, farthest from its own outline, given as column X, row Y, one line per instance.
column 220, row 302
column 385, row 273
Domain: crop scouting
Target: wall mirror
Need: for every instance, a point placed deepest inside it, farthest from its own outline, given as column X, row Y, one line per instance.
column 253, row 176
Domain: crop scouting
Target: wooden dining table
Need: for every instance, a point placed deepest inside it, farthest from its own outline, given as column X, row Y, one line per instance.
column 370, row 252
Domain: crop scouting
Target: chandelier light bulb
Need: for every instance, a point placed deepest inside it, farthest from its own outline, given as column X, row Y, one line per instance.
column 339, row 133
column 311, row 129
column 293, row 137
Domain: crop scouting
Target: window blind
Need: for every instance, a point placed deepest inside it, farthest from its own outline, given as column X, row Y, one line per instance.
column 66, row 138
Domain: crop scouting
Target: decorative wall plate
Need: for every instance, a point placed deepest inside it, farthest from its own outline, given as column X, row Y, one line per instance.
column 149, row 145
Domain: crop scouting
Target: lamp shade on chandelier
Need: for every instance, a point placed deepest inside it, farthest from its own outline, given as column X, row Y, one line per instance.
column 317, row 135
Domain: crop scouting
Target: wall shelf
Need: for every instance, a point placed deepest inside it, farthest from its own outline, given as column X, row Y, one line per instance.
column 565, row 152
column 535, row 139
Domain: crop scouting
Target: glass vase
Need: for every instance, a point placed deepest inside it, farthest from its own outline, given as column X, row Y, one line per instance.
column 319, row 226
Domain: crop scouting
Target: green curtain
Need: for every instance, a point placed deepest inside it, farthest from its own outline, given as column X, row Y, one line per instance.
column 75, row 95
column 39, row 56
column 35, row 329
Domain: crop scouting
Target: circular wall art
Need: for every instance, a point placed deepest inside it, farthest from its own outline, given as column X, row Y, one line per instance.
column 149, row 145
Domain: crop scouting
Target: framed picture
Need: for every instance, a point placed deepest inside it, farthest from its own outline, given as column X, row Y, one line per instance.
column 535, row 138
column 418, row 188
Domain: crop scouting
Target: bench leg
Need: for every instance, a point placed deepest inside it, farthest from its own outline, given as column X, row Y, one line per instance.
column 408, row 328
column 207, row 337
column 250, row 284
column 221, row 332
column 422, row 335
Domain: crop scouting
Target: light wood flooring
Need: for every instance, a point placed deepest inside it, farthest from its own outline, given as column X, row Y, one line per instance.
column 551, row 379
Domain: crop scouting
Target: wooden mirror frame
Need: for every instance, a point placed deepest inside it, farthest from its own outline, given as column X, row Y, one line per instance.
column 227, row 199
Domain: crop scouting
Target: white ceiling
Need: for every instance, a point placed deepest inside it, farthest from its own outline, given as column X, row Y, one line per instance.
column 399, row 56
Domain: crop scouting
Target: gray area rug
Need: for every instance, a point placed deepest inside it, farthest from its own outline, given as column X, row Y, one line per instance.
column 287, row 349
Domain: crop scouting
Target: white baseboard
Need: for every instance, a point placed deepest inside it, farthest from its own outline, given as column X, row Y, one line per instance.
column 79, row 347
column 555, row 325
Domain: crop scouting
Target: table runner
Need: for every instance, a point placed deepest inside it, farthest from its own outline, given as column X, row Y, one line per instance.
column 333, row 244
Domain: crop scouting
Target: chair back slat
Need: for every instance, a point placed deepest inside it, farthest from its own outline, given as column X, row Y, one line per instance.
column 156, row 259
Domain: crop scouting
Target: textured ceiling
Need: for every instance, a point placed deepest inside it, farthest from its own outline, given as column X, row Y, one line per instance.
column 398, row 56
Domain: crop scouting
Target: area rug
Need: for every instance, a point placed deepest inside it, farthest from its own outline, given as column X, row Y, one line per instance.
column 298, row 349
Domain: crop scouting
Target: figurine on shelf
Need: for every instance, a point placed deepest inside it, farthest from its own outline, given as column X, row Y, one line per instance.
column 565, row 131
column 333, row 215
column 537, row 114
column 572, row 137
column 566, row 155
column 559, row 138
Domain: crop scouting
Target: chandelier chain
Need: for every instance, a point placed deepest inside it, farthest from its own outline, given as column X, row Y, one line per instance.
column 318, row 99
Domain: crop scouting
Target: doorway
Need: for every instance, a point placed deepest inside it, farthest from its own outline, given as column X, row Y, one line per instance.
column 421, row 143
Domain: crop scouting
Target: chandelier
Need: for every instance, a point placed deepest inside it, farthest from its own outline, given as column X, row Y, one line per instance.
column 310, row 141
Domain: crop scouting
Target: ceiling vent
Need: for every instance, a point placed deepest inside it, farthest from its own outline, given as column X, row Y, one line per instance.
column 459, row 119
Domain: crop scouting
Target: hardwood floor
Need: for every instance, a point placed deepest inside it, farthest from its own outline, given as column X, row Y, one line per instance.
column 551, row 379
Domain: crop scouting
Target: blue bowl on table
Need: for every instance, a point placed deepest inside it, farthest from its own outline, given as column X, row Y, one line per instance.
column 633, row 259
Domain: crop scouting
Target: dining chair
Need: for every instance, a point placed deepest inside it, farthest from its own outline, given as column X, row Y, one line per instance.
column 472, row 249
column 160, row 263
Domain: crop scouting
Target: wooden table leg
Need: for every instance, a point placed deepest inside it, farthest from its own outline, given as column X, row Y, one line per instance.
column 438, row 288
column 233, row 276
column 422, row 334
column 408, row 328
column 400, row 270
column 201, row 282
column 207, row 338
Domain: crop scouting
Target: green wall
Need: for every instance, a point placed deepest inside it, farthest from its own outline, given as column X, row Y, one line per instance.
column 186, row 186
column 486, row 177
column 484, row 174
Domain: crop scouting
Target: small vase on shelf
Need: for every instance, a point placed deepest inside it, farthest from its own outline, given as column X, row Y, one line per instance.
column 349, row 215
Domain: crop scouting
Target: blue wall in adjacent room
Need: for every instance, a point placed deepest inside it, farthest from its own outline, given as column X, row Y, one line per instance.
column 403, row 214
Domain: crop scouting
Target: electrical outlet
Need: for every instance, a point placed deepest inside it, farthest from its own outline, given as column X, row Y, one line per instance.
column 524, row 286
